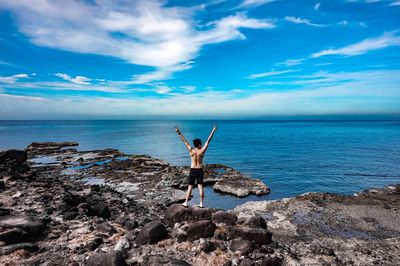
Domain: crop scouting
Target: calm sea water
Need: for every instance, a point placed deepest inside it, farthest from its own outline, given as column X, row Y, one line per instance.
column 291, row 157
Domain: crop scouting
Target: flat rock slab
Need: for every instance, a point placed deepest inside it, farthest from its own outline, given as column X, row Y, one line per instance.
column 34, row 227
column 177, row 213
column 241, row 187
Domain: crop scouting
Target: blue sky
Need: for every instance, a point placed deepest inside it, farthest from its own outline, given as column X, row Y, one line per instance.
column 216, row 58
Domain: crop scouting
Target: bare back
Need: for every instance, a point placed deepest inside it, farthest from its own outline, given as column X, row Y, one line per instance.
column 196, row 156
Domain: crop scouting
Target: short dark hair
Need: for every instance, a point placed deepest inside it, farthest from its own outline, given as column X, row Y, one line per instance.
column 197, row 143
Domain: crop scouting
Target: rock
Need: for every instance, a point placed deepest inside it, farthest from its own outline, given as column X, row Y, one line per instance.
column 151, row 233
column 106, row 228
column 224, row 217
column 246, row 262
column 242, row 246
column 207, row 246
column 199, row 229
column 13, row 236
column 4, row 212
column 241, row 187
column 177, row 213
column 271, row 261
column 106, row 259
column 49, row 146
column 34, row 227
column 257, row 235
column 122, row 245
column 254, row 221
column 131, row 224
column 95, row 243
column 101, row 210
column 31, row 247
column 156, row 260
column 17, row 156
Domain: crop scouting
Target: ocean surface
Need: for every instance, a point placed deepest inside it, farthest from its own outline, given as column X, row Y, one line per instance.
column 291, row 157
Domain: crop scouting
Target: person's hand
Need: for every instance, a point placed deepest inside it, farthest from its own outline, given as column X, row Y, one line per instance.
column 177, row 130
column 215, row 127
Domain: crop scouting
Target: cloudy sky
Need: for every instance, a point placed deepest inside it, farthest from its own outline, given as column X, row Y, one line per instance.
column 215, row 58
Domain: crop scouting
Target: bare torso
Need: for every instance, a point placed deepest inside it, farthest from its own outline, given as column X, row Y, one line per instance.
column 196, row 156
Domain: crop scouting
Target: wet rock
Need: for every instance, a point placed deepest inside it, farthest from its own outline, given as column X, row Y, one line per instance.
column 177, row 213
column 106, row 259
column 31, row 247
column 34, row 227
column 224, row 217
column 242, row 246
column 151, row 233
column 13, row 236
column 199, row 229
column 257, row 235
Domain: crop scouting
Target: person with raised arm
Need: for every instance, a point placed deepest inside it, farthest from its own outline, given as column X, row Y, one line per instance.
column 196, row 174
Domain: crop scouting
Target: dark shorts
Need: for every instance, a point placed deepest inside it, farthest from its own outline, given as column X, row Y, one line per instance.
column 196, row 174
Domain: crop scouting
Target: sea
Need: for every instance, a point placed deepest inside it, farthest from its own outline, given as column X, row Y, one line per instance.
column 291, row 157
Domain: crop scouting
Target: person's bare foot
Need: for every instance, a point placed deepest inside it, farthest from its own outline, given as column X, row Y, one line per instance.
column 185, row 204
column 201, row 205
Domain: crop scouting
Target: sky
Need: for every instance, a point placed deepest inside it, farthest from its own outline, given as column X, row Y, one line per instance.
column 198, row 59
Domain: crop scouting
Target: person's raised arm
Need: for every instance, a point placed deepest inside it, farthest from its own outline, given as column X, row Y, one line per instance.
column 183, row 139
column 209, row 139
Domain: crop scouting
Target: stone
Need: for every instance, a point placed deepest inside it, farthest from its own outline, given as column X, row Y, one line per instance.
column 242, row 246
column 15, row 155
column 122, row 245
column 224, row 217
column 257, row 235
column 34, row 227
column 207, row 246
column 177, row 213
column 151, row 233
column 156, row 260
column 95, row 243
column 4, row 211
column 31, row 247
column 106, row 228
column 101, row 210
column 106, row 259
column 246, row 262
column 271, row 261
column 255, row 221
column 13, row 236
column 200, row 229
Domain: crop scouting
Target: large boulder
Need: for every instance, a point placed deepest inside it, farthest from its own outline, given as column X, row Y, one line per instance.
column 13, row 236
column 253, row 221
column 224, row 217
column 17, row 156
column 241, row 246
column 257, row 235
column 199, row 229
column 177, row 213
column 151, row 233
column 106, row 259
column 34, row 227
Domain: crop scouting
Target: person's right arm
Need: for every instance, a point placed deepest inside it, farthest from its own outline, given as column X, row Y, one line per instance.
column 204, row 149
column 183, row 139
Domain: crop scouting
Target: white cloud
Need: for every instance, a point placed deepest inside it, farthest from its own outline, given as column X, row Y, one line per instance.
column 297, row 20
column 253, row 3
column 386, row 40
column 395, row 3
column 77, row 80
column 320, row 93
column 13, row 78
column 343, row 22
column 188, row 88
column 317, row 6
column 143, row 32
column 291, row 62
column 269, row 74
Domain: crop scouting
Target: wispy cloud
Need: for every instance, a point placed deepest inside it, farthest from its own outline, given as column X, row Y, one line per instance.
column 13, row 78
column 143, row 32
column 77, row 80
column 317, row 6
column 269, row 74
column 291, row 62
column 297, row 20
column 254, row 3
column 386, row 40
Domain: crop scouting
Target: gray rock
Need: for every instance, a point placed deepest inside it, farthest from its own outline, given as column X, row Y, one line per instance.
column 199, row 229
column 15, row 235
column 156, row 260
column 254, row 221
column 246, row 262
column 31, row 247
column 151, row 233
column 177, row 213
column 106, row 259
column 34, row 227
column 257, row 235
column 224, row 217
column 122, row 245
column 15, row 155
column 242, row 246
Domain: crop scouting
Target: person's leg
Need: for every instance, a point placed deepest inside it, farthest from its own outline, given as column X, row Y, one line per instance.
column 201, row 190
column 188, row 194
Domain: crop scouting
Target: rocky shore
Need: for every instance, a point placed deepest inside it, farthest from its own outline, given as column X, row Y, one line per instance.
column 61, row 206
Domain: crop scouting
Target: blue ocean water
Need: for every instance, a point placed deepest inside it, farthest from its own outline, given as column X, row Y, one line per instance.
column 292, row 157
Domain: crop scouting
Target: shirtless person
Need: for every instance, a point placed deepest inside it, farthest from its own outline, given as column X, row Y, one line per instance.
column 196, row 166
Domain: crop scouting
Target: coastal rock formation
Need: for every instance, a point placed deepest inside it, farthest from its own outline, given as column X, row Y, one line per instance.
column 69, row 207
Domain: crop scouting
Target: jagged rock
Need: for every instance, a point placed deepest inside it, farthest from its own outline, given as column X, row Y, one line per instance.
column 31, row 247
column 32, row 226
column 101, row 210
column 106, row 259
column 207, row 246
column 95, row 243
column 17, row 156
column 271, row 261
column 257, row 235
column 156, row 260
column 177, row 213
column 242, row 246
column 224, row 217
column 246, row 262
column 13, row 236
column 196, row 230
column 253, row 221
column 151, row 233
